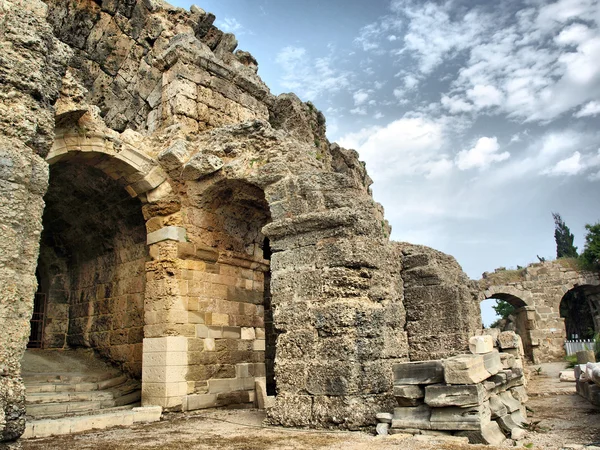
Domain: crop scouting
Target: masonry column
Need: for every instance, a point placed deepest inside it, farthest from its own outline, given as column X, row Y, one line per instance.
column 165, row 361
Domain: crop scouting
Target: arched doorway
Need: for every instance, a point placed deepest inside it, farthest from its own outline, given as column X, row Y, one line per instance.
column 91, row 266
column 230, row 293
column 580, row 308
column 513, row 310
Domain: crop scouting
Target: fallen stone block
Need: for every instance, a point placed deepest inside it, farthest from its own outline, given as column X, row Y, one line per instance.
column 511, row 421
column 494, row 333
column 507, row 360
column 409, row 394
column 509, row 401
column 518, row 434
column 497, row 408
column 418, row 372
column 567, row 376
column 382, row 429
column 384, row 417
column 492, row 362
column 412, row 417
column 456, row 418
column 439, row 395
column 465, row 369
column 488, row 434
column 520, row 394
column 592, row 370
column 481, row 344
column 508, row 340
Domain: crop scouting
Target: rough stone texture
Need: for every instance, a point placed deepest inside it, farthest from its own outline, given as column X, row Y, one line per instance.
column 537, row 291
column 32, row 63
column 119, row 97
column 442, row 309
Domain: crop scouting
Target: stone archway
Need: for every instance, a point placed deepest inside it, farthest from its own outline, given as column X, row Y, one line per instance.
column 523, row 314
column 580, row 308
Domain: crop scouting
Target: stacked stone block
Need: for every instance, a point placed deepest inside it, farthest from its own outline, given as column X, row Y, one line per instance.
column 477, row 395
column 587, row 377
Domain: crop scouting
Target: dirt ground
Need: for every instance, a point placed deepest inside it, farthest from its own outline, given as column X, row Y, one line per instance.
column 560, row 417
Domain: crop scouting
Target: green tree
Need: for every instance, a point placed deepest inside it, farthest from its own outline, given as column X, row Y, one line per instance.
column 503, row 308
column 591, row 251
column 564, row 238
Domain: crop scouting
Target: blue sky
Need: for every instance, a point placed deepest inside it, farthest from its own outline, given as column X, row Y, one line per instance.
column 476, row 119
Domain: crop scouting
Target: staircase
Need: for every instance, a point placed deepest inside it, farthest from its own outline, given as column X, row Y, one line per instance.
column 73, row 390
column 68, row 394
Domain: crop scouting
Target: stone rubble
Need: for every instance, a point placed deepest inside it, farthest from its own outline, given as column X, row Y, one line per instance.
column 479, row 395
column 587, row 378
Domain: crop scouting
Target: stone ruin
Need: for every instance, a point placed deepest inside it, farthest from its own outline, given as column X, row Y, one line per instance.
column 479, row 396
column 200, row 233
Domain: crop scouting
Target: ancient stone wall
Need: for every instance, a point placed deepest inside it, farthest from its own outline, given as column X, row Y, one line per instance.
column 537, row 291
column 154, row 98
column 442, row 307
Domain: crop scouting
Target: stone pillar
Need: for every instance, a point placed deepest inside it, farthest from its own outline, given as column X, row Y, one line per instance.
column 164, row 361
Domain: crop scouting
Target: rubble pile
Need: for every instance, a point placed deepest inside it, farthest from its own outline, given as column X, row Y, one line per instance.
column 479, row 395
column 587, row 377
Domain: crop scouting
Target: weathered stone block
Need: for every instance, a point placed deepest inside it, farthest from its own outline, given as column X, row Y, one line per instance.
column 412, row 417
column 438, row 395
column 489, row 433
column 175, row 156
column 508, row 339
column 509, row 401
column 169, row 233
column 492, row 362
column 497, row 407
column 384, row 417
column 465, row 369
column 420, row 372
column 481, row 344
column 456, row 418
column 409, row 394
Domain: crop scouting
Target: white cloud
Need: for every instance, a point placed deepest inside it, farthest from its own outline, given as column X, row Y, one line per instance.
column 360, row 97
column 378, row 115
column 568, row 166
column 406, row 147
column 456, row 105
column 308, row 77
column 360, row 111
column 484, row 153
column 231, row 25
column 590, row 109
column 392, row 38
column 484, row 96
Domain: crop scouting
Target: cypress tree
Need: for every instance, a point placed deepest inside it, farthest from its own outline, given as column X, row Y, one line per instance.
column 564, row 239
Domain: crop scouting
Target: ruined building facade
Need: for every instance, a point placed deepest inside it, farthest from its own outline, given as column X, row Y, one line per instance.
column 194, row 229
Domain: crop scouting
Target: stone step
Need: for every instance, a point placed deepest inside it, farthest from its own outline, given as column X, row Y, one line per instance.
column 59, row 409
column 66, row 397
column 68, row 378
column 61, row 386
column 106, row 419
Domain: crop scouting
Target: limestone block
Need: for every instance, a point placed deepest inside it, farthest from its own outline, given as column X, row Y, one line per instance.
column 518, row 434
column 509, row 401
column 511, row 421
column 508, row 339
column 175, row 156
column 146, row 414
column 465, row 369
column 567, row 375
column 260, row 389
column 481, row 344
column 508, row 360
column 492, row 362
column 593, row 372
column 412, row 417
column 497, row 408
column 439, row 395
column 199, row 401
column 520, row 394
column 382, row 429
column 409, row 394
column 201, row 165
column 384, row 417
column 457, row 418
column 419, row 372
column 488, row 434
column 171, row 233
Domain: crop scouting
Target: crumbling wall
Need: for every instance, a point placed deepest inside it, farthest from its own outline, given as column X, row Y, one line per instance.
column 32, row 63
column 442, row 307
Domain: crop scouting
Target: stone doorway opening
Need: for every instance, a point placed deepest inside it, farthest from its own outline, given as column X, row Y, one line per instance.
column 92, row 266
column 520, row 319
column 234, row 346
column 580, row 309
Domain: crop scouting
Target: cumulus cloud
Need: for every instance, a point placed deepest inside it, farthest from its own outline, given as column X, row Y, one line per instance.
column 360, row 97
column 589, row 109
column 405, row 147
column 231, row 25
column 310, row 77
column 484, row 153
column 534, row 63
column 568, row 166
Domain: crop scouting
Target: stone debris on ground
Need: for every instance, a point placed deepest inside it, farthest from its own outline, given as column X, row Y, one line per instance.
column 478, row 396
